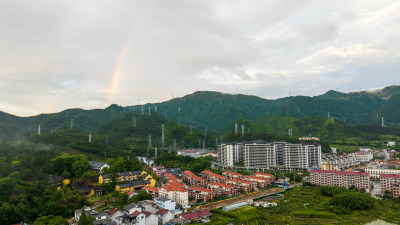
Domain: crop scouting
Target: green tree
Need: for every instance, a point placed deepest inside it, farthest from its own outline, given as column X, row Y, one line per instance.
column 353, row 200
column 85, row 220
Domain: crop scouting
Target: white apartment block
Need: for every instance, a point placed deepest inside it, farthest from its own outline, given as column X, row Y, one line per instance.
column 375, row 173
column 276, row 154
column 229, row 154
column 259, row 155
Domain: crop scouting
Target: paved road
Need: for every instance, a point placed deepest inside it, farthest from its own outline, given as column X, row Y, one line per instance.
column 241, row 198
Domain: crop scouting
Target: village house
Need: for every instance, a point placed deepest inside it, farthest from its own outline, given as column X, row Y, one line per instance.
column 193, row 179
column 198, row 193
column 232, row 175
column 242, row 185
column 259, row 182
column 222, row 189
column 98, row 166
column 212, row 177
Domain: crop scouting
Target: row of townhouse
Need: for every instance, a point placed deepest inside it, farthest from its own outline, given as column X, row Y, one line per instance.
column 123, row 176
column 391, row 183
column 341, row 178
column 360, row 180
column 259, row 154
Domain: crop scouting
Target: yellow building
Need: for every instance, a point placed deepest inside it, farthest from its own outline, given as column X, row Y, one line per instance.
column 123, row 176
column 132, row 186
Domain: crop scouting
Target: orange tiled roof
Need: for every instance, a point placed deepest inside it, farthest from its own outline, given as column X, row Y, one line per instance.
column 263, row 174
column 256, row 178
column 153, row 189
column 194, row 176
column 213, row 174
column 239, row 181
column 233, row 173
column 200, row 189
column 171, row 177
column 175, row 184
column 220, row 185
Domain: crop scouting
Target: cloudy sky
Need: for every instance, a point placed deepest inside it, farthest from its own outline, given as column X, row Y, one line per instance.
column 88, row 54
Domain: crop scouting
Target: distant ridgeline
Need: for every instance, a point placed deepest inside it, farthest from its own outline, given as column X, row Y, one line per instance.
column 201, row 119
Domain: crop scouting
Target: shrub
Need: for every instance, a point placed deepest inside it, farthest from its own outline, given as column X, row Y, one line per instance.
column 353, row 200
column 331, row 190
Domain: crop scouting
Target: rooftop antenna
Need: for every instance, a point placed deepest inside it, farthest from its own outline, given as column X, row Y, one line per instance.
column 383, row 122
column 90, row 136
column 236, row 131
column 162, row 136
column 38, row 132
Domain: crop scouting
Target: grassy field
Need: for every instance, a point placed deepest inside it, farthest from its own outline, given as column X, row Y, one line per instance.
column 304, row 205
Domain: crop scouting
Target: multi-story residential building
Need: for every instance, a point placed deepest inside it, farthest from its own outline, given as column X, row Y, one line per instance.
column 269, row 176
column 229, row 154
column 222, row 189
column 259, row 182
column 390, row 182
column 259, row 155
column 338, row 162
column 212, row 177
column 158, row 170
column 242, row 185
column 193, row 179
column 363, row 156
column 340, row 178
column 375, row 172
column 282, row 155
column 232, row 175
column 170, row 177
column 176, row 193
column 198, row 193
column 190, row 153
column 152, row 190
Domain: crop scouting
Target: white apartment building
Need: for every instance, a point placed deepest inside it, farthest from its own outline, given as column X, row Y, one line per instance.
column 259, row 155
column 363, row 156
column 269, row 155
column 375, row 173
column 229, row 154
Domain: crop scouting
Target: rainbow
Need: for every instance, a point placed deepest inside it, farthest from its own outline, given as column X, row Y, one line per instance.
column 117, row 71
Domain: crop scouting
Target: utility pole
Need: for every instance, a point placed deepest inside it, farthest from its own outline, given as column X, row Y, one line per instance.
column 149, row 146
column 162, row 136
column 236, row 131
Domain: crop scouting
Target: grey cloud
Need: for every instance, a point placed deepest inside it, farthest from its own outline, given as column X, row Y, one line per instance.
column 60, row 54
